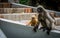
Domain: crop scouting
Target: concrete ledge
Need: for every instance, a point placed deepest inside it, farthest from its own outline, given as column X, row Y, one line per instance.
column 13, row 30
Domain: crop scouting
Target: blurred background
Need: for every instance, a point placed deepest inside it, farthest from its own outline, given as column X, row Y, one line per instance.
column 48, row 4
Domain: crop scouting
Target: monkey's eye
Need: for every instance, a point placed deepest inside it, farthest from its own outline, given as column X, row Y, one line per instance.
column 39, row 9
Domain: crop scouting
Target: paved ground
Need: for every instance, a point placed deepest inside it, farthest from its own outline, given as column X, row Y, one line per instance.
column 26, row 22
column 2, row 35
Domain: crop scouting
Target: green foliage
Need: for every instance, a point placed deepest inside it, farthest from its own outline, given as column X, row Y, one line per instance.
column 25, row 2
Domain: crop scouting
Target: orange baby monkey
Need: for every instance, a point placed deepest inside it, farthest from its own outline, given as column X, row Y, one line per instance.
column 33, row 21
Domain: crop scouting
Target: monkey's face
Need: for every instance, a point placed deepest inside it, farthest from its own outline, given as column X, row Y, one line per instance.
column 39, row 10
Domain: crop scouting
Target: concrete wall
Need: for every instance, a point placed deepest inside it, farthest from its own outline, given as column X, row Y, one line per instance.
column 18, row 16
column 13, row 30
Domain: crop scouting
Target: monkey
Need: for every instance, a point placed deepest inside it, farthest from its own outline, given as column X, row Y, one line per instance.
column 33, row 21
column 42, row 16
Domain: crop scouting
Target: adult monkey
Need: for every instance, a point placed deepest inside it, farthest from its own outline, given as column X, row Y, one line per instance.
column 42, row 16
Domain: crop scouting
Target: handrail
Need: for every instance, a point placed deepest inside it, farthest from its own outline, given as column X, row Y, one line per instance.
column 10, row 21
column 30, row 6
column 18, row 14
